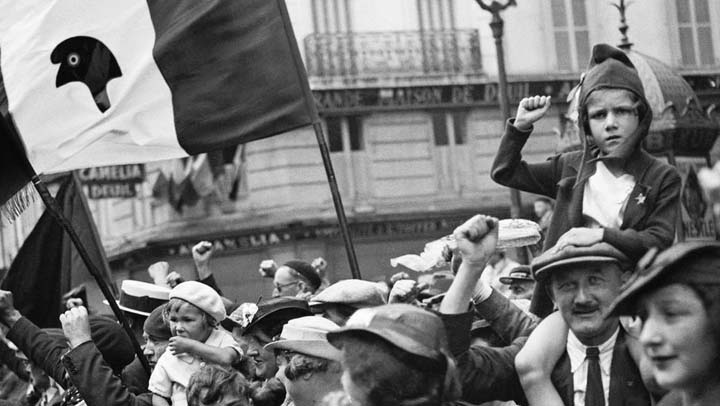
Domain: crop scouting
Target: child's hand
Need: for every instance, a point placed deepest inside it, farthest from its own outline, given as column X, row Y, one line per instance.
column 580, row 237
column 179, row 345
column 530, row 110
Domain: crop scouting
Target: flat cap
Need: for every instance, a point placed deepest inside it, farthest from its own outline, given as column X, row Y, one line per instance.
column 554, row 258
column 351, row 292
column 688, row 262
column 519, row 273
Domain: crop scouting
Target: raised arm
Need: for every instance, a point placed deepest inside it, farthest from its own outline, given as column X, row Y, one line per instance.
column 509, row 169
column 39, row 347
column 87, row 369
column 476, row 240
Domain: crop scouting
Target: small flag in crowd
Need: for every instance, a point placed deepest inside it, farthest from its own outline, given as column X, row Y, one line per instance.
column 48, row 264
column 128, row 81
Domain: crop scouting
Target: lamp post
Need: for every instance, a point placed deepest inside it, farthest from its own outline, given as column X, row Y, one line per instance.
column 497, row 25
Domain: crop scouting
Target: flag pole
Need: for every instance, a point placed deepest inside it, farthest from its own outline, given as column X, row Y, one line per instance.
column 55, row 210
column 337, row 201
column 322, row 143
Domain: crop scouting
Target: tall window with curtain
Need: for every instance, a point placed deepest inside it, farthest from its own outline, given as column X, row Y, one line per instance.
column 570, row 28
column 695, row 32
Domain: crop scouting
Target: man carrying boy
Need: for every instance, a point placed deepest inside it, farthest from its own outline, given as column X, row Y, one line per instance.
column 595, row 365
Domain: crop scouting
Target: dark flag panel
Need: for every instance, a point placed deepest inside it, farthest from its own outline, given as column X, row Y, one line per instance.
column 48, row 265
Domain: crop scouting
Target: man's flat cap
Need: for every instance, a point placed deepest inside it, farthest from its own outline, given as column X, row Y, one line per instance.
column 554, row 258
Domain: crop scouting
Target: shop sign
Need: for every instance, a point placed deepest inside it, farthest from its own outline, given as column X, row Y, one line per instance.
column 117, row 181
column 372, row 99
column 698, row 222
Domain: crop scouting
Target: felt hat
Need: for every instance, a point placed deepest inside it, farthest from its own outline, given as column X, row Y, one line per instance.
column 277, row 310
column 351, row 292
column 307, row 271
column 307, row 335
column 155, row 326
column 522, row 273
column 409, row 328
column 554, row 259
column 201, row 296
column 141, row 297
column 696, row 262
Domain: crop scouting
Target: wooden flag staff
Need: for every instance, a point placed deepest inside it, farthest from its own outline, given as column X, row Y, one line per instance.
column 322, row 143
column 54, row 208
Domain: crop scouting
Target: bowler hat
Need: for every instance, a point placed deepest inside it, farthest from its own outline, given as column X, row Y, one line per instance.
column 520, row 273
column 141, row 297
column 352, row 292
column 689, row 262
column 554, row 259
column 307, row 335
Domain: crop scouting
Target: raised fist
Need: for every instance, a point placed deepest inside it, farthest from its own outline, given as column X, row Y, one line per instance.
column 530, row 110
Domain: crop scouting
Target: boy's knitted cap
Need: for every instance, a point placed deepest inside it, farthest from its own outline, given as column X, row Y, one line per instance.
column 201, row 296
column 610, row 67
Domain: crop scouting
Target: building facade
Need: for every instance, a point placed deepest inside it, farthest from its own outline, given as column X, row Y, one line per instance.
column 407, row 92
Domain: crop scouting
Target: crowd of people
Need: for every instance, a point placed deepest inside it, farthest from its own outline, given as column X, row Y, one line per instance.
column 611, row 312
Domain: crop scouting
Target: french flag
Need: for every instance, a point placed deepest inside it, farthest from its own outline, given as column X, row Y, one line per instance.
column 94, row 83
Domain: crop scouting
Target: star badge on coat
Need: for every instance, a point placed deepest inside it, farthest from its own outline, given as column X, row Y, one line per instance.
column 640, row 198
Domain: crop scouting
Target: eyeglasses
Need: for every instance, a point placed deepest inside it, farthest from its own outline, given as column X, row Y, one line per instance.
column 280, row 286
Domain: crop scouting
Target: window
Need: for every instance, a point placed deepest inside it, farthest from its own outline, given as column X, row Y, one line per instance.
column 440, row 129
column 572, row 41
column 460, row 127
column 356, row 135
column 334, row 134
column 696, row 44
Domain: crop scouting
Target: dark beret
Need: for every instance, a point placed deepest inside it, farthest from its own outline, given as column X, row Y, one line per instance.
column 307, row 271
column 155, row 326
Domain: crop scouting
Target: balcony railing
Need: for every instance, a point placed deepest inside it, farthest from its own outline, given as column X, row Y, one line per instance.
column 394, row 53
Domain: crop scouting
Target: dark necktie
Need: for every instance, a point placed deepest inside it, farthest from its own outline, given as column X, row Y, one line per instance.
column 594, row 394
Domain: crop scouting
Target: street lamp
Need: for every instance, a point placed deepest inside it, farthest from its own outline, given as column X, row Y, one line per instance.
column 497, row 24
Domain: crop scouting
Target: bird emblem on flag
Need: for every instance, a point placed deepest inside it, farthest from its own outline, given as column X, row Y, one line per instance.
column 86, row 60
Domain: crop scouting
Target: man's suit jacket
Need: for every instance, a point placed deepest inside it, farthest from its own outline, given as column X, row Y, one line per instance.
column 626, row 384
column 85, row 366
